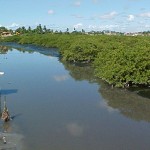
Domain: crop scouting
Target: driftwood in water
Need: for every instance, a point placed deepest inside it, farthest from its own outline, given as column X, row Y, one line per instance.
column 5, row 113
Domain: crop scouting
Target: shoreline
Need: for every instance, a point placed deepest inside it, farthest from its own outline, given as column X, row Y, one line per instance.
column 120, row 69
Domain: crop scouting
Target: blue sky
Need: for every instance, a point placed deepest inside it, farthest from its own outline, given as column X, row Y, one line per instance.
column 118, row 15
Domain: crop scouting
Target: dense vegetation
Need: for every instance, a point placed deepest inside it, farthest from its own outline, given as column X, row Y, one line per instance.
column 119, row 60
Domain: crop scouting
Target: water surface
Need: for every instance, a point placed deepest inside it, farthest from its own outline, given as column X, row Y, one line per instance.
column 59, row 106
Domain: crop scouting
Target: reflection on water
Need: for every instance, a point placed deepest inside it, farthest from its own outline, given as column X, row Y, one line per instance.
column 60, row 77
column 29, row 48
column 62, row 106
column 144, row 93
column 14, row 141
column 128, row 103
column 3, row 49
column 6, row 127
column 75, row 129
column 79, row 72
column 8, row 91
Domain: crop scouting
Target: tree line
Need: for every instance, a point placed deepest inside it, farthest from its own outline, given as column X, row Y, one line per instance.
column 39, row 29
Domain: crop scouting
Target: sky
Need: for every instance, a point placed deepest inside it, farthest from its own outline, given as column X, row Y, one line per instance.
column 98, row 15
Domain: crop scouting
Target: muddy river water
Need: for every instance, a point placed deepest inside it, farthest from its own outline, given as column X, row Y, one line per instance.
column 60, row 106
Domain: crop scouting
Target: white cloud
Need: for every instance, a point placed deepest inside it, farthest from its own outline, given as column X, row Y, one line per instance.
column 77, row 3
column 147, row 26
column 130, row 17
column 92, row 27
column 77, row 16
column 94, row 1
column 108, row 27
column 79, row 25
column 93, row 17
column 134, row 0
column 109, row 15
column 50, row 12
column 61, row 78
column 104, row 104
column 13, row 25
column 147, row 14
column 104, row 27
column 37, row 23
column 75, row 129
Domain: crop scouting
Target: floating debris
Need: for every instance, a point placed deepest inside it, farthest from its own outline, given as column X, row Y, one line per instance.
column 11, row 141
column 4, row 139
column 1, row 73
column 5, row 114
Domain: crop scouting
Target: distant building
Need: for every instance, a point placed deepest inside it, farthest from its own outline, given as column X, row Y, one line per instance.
column 134, row 34
column 6, row 34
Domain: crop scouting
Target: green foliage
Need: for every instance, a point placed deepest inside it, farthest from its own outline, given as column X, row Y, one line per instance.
column 127, row 64
column 14, row 38
column 119, row 60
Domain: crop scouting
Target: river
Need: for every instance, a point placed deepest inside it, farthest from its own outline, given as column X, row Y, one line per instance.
column 60, row 106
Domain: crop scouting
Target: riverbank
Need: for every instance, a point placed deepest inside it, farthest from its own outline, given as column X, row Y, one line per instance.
column 121, row 61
